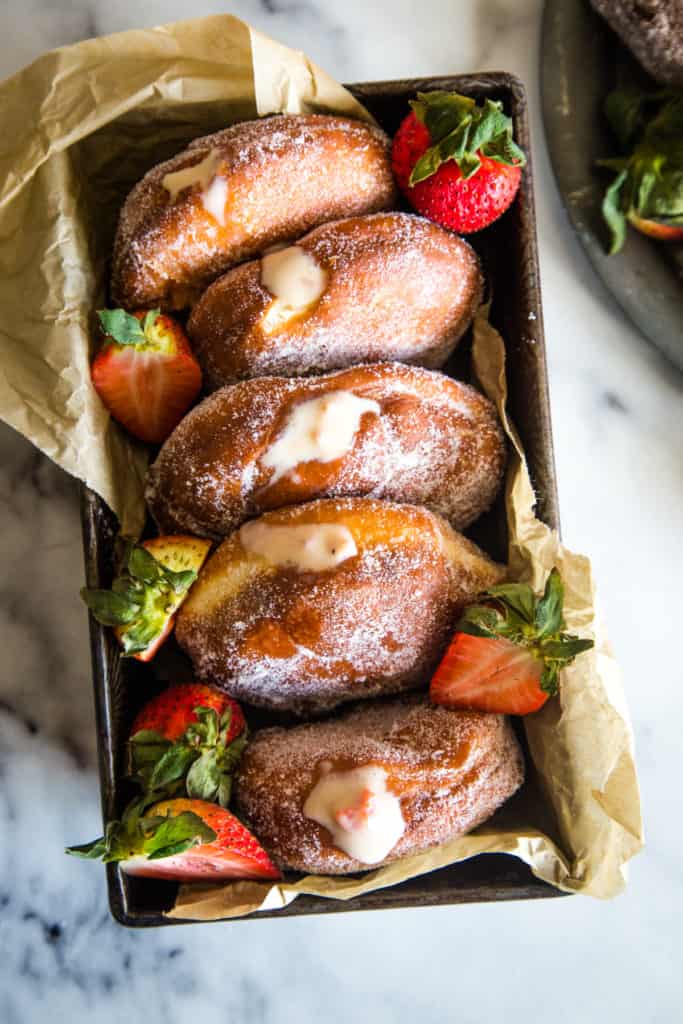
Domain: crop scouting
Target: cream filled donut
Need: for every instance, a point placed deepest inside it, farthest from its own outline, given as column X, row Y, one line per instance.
column 387, row 431
column 381, row 782
column 360, row 290
column 230, row 195
column 313, row 605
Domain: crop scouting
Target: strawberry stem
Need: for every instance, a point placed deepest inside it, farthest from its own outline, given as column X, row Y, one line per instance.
column 462, row 131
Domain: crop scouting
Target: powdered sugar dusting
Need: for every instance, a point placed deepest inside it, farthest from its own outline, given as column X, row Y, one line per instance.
column 451, row 770
column 284, row 174
column 376, row 623
column 398, row 287
column 436, row 442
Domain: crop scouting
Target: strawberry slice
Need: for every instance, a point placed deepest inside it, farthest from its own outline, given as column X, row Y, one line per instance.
column 507, row 654
column 488, row 675
column 188, row 739
column 154, row 580
column 182, row 841
column 146, row 374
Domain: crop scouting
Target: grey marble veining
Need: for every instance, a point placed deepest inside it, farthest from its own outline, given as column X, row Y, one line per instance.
column 617, row 417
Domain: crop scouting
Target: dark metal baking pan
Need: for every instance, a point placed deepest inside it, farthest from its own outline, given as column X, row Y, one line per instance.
column 509, row 254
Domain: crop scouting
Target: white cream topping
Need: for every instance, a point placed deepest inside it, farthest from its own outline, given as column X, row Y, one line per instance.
column 295, row 280
column 313, row 547
column 214, row 199
column 362, row 816
column 197, row 174
column 319, row 430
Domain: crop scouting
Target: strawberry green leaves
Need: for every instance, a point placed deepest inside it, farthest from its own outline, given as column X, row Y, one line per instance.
column 200, row 765
column 612, row 211
column 535, row 623
column 462, row 131
column 111, row 608
column 202, row 757
column 169, row 836
column 126, row 329
column 152, row 836
column 649, row 178
column 548, row 612
column 142, row 598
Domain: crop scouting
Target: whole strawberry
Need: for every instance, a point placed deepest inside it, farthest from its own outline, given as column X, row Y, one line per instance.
column 456, row 162
column 191, row 737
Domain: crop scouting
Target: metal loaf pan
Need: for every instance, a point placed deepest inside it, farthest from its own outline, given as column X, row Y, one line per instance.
column 509, row 254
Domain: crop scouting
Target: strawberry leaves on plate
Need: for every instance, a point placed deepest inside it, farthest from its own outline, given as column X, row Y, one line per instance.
column 648, row 186
column 462, row 131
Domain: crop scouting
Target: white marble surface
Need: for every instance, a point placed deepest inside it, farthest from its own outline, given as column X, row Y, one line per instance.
column 617, row 416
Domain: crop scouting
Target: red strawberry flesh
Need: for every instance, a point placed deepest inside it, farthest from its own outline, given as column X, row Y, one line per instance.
column 149, row 387
column 483, row 674
column 234, row 853
column 653, row 229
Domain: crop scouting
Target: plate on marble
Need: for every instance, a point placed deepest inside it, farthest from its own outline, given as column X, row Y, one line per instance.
column 581, row 61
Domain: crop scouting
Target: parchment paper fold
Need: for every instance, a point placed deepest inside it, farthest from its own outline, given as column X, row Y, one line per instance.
column 80, row 126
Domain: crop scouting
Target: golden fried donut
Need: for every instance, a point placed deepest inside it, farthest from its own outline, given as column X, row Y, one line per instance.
column 230, row 195
column 316, row 604
column 385, row 286
column 386, row 431
column 383, row 781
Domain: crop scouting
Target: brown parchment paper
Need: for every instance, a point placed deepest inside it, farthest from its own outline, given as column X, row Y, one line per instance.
column 80, row 126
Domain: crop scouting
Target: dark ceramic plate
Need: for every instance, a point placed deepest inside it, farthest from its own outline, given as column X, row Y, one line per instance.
column 581, row 61
column 509, row 255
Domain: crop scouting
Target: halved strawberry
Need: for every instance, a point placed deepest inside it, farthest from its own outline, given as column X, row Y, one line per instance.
column 488, row 675
column 146, row 373
column 154, row 580
column 182, row 841
column 189, row 739
column 507, row 654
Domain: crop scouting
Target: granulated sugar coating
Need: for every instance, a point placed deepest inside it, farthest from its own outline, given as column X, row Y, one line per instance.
column 283, row 175
column 376, row 623
column 397, row 287
column 435, row 442
column 451, row 770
